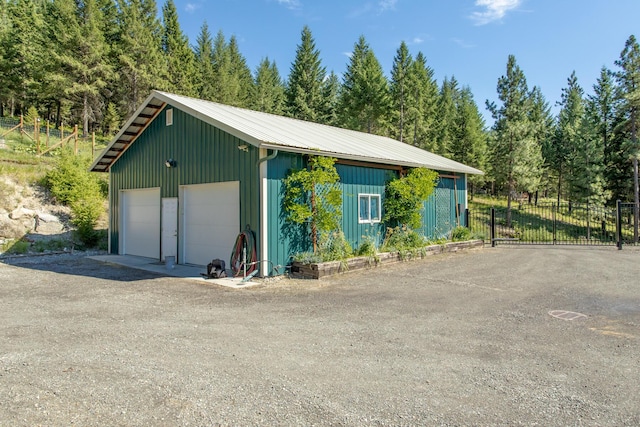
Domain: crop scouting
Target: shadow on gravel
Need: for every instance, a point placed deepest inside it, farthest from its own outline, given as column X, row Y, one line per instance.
column 79, row 265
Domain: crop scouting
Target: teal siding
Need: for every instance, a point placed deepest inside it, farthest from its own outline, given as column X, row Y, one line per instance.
column 440, row 215
column 284, row 239
column 361, row 180
column 204, row 154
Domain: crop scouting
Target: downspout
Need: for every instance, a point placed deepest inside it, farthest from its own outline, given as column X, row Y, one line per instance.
column 269, row 157
column 264, row 212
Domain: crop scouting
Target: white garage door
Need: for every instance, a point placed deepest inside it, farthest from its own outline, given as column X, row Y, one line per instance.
column 210, row 222
column 140, row 222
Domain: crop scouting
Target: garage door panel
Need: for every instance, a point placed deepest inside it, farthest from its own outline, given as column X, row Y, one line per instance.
column 211, row 221
column 141, row 222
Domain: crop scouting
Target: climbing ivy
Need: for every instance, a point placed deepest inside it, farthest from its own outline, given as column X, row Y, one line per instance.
column 313, row 197
column 404, row 197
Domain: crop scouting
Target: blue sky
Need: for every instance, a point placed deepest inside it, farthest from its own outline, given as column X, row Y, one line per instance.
column 468, row 39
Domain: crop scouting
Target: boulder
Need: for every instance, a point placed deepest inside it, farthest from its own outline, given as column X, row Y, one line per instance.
column 47, row 217
column 22, row 213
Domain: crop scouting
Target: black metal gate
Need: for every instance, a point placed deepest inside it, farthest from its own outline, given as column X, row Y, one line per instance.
column 564, row 224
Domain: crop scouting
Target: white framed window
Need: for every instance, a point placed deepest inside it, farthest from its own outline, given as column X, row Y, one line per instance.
column 169, row 116
column 369, row 208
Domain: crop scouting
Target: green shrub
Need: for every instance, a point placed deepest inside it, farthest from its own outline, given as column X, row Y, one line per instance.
column 17, row 247
column 367, row 247
column 50, row 245
column 70, row 179
column 460, row 234
column 85, row 215
column 307, row 257
column 71, row 184
column 402, row 239
column 334, row 246
column 404, row 197
column 312, row 197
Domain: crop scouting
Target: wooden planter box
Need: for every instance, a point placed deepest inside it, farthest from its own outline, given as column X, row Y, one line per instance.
column 319, row 270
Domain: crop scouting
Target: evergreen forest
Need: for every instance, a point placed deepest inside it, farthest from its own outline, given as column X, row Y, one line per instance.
column 92, row 63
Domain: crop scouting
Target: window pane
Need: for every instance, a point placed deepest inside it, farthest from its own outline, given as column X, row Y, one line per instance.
column 364, row 208
column 375, row 208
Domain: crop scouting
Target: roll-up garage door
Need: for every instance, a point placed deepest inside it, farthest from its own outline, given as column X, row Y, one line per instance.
column 210, row 221
column 140, row 222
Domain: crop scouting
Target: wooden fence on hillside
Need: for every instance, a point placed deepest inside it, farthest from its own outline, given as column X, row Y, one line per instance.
column 45, row 137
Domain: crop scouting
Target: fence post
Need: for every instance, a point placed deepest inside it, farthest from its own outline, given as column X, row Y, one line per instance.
column 36, row 134
column 492, row 233
column 466, row 217
column 619, row 224
column 93, row 144
column 553, row 216
column 75, row 140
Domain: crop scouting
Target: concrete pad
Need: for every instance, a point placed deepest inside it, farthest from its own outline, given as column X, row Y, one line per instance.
column 185, row 271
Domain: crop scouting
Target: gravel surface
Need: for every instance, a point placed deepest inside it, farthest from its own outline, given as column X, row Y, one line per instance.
column 460, row 339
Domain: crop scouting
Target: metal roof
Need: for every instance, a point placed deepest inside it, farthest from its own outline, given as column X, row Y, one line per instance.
column 270, row 131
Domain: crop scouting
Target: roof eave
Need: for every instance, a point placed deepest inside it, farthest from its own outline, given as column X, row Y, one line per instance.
column 301, row 150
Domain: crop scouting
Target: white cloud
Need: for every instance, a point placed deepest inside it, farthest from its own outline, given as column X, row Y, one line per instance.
column 417, row 40
column 290, row 4
column 493, row 10
column 191, row 7
column 385, row 5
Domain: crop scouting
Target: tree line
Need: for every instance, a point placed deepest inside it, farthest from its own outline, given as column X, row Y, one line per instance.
column 93, row 62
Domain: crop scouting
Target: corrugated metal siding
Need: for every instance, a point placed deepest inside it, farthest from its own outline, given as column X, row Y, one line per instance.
column 284, row 239
column 203, row 154
column 361, row 180
column 439, row 215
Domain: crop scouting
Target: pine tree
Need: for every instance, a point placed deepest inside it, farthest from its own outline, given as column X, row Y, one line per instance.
column 222, row 84
column 331, row 95
column 422, row 103
column 268, row 89
column 400, row 90
column 589, row 159
column 204, row 64
column 629, row 80
column 81, row 58
column 365, row 102
column 140, row 60
column 578, row 138
column 241, row 78
column 5, row 80
column 24, row 54
column 602, row 107
column 181, row 69
column 446, row 117
column 304, row 98
column 542, row 123
column 469, row 142
column 515, row 156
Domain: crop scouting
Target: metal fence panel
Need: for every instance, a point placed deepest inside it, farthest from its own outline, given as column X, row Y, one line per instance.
column 564, row 224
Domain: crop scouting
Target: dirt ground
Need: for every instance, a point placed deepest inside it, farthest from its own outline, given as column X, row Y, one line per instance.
column 460, row 339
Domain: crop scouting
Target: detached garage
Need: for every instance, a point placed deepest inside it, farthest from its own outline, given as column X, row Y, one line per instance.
column 186, row 176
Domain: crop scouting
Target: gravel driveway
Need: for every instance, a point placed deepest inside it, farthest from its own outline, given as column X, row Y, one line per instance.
column 460, row 339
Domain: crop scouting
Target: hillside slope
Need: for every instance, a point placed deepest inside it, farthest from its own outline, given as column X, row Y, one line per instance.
column 30, row 219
